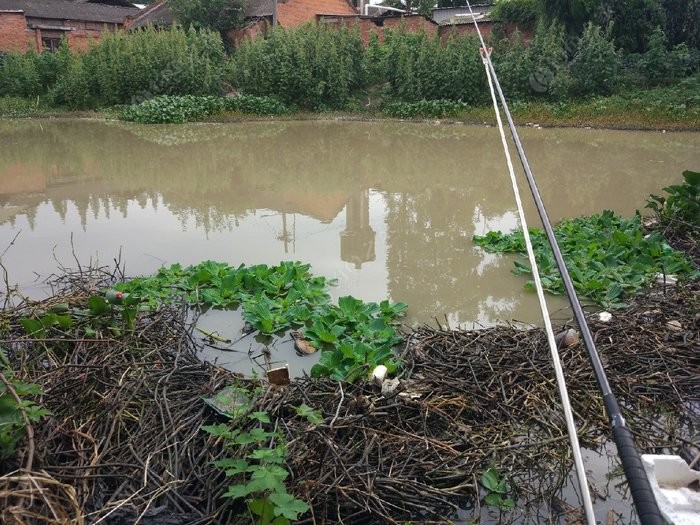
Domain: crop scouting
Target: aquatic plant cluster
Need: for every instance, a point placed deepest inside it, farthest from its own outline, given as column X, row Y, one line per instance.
column 171, row 109
column 610, row 258
column 354, row 336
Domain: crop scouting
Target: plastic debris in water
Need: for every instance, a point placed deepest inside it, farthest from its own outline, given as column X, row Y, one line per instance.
column 379, row 375
column 302, row 345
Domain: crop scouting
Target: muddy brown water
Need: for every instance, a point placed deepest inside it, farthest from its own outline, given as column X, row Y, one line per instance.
column 388, row 209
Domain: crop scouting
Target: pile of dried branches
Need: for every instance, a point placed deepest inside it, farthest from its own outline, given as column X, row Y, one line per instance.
column 125, row 430
column 474, row 399
column 124, row 443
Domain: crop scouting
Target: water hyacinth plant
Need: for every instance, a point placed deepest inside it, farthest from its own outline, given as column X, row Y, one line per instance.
column 609, row 257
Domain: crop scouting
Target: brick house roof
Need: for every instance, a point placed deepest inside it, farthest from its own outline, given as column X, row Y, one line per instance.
column 259, row 8
column 65, row 10
column 156, row 14
column 289, row 12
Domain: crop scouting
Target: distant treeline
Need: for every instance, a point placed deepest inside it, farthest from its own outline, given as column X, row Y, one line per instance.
column 316, row 67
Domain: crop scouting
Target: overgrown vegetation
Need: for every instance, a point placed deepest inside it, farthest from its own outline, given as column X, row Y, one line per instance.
column 322, row 68
column 256, row 461
column 609, row 258
column 678, row 214
column 122, row 68
column 313, row 66
column 425, row 109
column 354, row 336
column 18, row 409
column 171, row 109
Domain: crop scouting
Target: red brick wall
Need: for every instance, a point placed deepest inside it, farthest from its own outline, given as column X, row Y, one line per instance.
column 236, row 36
column 413, row 24
column 81, row 39
column 293, row 13
column 14, row 35
column 486, row 30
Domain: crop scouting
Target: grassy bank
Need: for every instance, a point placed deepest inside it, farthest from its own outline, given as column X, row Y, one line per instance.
column 643, row 110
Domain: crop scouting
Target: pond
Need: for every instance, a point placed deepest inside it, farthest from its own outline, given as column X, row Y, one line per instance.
column 387, row 209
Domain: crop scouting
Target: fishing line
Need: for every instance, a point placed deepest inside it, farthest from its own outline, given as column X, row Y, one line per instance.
column 642, row 494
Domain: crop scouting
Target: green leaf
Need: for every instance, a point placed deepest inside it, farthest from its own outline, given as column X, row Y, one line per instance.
column 34, row 328
column 64, row 321
column 268, row 455
column 98, row 305
column 238, row 491
column 288, row 506
column 507, row 504
column 313, row 416
column 222, row 429
column 263, row 508
column 490, row 479
column 692, row 177
column 493, row 499
column 263, row 417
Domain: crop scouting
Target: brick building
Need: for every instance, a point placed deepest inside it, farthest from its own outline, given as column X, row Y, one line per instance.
column 40, row 24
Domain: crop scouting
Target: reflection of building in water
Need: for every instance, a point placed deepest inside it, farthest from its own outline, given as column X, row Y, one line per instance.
column 286, row 236
column 357, row 241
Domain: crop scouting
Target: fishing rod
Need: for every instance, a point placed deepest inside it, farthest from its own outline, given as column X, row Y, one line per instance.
column 640, row 488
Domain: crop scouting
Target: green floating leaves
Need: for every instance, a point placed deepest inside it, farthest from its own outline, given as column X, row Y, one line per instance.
column 355, row 336
column 608, row 257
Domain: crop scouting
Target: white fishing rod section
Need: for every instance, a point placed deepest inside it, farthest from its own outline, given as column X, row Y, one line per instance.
column 640, row 488
column 556, row 361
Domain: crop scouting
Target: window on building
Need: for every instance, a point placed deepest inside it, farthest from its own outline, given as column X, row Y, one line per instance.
column 51, row 44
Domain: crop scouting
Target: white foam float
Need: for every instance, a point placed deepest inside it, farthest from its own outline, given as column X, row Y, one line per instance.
column 676, row 487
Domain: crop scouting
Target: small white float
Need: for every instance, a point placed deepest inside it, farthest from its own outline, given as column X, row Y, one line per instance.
column 676, row 487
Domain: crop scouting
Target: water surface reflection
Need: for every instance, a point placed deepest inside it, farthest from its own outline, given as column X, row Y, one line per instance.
column 388, row 209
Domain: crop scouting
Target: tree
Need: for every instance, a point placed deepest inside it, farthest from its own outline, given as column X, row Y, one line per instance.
column 634, row 22
column 572, row 13
column 595, row 64
column 219, row 15
column 682, row 21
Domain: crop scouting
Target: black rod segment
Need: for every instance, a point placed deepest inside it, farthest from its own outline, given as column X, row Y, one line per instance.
column 642, row 494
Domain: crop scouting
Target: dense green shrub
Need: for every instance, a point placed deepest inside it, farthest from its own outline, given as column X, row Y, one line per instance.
column 120, row 68
column 172, row 109
column 20, row 74
column 375, row 60
column 424, row 109
column 418, row 68
column 137, row 66
column 524, row 13
column 313, row 66
column 595, row 64
column 550, row 62
column 514, row 67
column 661, row 66
column 75, row 87
column 655, row 64
column 250, row 104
